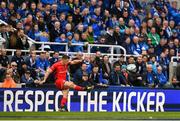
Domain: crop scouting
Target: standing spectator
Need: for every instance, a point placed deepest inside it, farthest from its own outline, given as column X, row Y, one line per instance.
column 22, row 42
column 55, row 31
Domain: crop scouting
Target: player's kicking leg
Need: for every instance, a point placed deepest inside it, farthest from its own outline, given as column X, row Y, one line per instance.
column 63, row 107
column 71, row 85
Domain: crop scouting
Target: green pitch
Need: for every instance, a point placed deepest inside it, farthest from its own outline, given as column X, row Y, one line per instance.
column 88, row 115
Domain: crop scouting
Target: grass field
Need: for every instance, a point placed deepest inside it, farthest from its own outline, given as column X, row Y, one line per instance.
column 89, row 116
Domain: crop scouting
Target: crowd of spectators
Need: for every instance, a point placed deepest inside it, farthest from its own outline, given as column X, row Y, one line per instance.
column 150, row 30
column 96, row 69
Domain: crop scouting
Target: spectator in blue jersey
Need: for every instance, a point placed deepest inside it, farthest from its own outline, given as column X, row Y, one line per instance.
column 54, row 59
column 41, row 64
column 164, row 61
column 60, row 39
column 76, row 40
column 48, row 1
column 173, row 11
column 162, row 79
column 62, row 6
column 149, row 77
column 136, row 48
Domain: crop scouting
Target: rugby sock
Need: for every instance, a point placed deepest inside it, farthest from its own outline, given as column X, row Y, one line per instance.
column 78, row 88
column 63, row 101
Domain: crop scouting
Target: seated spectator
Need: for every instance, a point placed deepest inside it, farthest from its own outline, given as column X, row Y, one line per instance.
column 28, row 80
column 161, row 77
column 136, row 48
column 18, row 59
column 96, row 78
column 54, row 59
column 76, row 40
column 41, row 64
column 106, row 67
column 116, row 76
column 155, row 38
column 8, row 81
column 149, row 77
column 15, row 73
column 31, row 60
column 79, row 73
column 140, row 65
column 4, row 61
column 61, row 39
column 120, row 61
column 134, row 79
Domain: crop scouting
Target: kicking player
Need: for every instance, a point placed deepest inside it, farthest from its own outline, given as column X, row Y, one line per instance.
column 60, row 68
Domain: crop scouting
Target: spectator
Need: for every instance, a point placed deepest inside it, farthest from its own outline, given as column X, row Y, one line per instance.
column 54, row 59
column 61, row 39
column 161, row 77
column 79, row 74
column 96, row 78
column 28, row 80
column 55, row 32
column 116, row 77
column 41, row 64
column 15, row 74
column 150, row 78
column 134, row 79
column 8, row 81
column 76, row 40
column 120, row 61
column 140, row 65
column 136, row 48
column 4, row 61
column 74, row 67
column 22, row 42
column 18, row 59
column 155, row 38
column 106, row 67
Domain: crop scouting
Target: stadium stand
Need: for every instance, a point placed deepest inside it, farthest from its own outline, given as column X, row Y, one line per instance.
column 131, row 42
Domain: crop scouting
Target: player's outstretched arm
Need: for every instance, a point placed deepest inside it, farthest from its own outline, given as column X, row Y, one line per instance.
column 48, row 72
column 75, row 62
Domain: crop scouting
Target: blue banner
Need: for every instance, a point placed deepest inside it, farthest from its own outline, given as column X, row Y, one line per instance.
column 113, row 99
